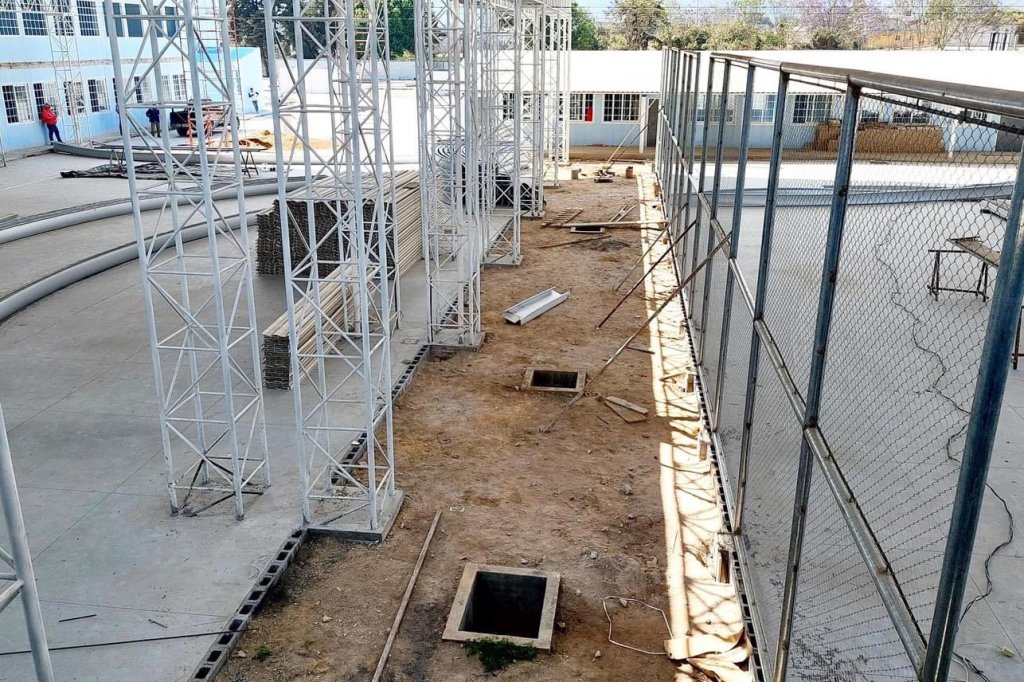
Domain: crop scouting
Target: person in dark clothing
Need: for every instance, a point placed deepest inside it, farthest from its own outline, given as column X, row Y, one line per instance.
column 50, row 119
column 153, row 114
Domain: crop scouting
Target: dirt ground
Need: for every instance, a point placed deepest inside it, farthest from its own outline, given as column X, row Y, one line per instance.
column 582, row 500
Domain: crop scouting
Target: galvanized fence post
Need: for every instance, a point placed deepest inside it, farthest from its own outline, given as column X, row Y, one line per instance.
column 693, row 89
column 767, row 230
column 734, row 244
column 695, row 257
column 981, row 433
column 716, row 187
column 826, row 299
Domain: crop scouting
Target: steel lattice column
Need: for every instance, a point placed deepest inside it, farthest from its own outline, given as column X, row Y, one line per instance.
column 529, row 106
column 338, row 294
column 67, row 70
column 557, row 25
column 451, row 236
column 501, row 87
column 199, row 301
column 22, row 580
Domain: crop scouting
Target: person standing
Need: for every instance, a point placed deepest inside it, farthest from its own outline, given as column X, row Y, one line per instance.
column 50, row 119
column 255, row 98
column 153, row 115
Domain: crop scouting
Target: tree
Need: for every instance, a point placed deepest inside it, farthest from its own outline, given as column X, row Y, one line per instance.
column 846, row 22
column 941, row 21
column 402, row 28
column 639, row 22
column 823, row 39
column 584, row 30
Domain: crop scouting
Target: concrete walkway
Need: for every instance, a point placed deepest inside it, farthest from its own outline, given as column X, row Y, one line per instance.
column 76, row 384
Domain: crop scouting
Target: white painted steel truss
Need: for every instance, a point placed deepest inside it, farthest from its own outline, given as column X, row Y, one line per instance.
column 16, row 575
column 531, row 150
column 72, row 98
column 501, row 131
column 200, row 309
column 338, row 294
column 556, row 49
column 449, row 189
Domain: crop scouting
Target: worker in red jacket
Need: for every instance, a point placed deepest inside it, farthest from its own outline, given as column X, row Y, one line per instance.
column 50, row 119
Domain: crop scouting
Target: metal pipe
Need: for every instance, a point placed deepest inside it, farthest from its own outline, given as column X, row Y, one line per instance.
column 734, row 245
column 701, row 178
column 767, row 231
column 27, row 295
column 995, row 100
column 981, row 433
column 11, row 505
column 829, row 275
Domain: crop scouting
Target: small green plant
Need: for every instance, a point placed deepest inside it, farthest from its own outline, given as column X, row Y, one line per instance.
column 498, row 654
column 263, row 652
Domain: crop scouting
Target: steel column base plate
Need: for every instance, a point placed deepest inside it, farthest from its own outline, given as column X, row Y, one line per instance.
column 356, row 528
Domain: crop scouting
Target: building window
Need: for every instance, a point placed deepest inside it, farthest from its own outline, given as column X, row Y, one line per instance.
column 762, row 109
column 171, row 24
column 716, row 109
column 508, row 106
column 88, row 23
column 620, row 107
column 8, row 18
column 45, row 93
column 527, row 106
column 17, row 105
column 581, row 107
column 63, row 20
column 812, row 108
column 118, row 21
column 908, row 117
column 32, row 17
column 74, row 97
column 174, row 87
column 134, row 25
column 98, row 95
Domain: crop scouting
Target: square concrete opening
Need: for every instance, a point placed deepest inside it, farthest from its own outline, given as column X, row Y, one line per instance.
column 502, row 602
column 587, row 229
column 559, row 380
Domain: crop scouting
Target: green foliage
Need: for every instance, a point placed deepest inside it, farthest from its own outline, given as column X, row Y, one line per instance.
column 827, row 40
column 584, row 30
column 639, row 22
column 733, row 35
column 498, row 654
column 263, row 652
column 402, row 28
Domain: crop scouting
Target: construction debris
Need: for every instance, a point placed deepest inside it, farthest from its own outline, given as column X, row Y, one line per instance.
column 627, row 411
column 562, row 217
column 534, row 306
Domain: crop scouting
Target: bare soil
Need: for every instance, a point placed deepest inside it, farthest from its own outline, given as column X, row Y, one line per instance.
column 582, row 500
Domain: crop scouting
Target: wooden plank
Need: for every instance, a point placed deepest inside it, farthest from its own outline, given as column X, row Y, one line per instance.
column 626, row 404
column 626, row 415
column 978, row 249
column 623, row 223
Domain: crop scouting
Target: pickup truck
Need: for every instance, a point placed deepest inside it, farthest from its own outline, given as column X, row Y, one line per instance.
column 180, row 119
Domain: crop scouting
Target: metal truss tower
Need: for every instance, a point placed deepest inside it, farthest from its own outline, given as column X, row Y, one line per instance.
column 555, row 84
column 501, row 135
column 338, row 297
column 72, row 99
column 16, row 575
column 199, row 302
column 529, row 105
column 452, row 243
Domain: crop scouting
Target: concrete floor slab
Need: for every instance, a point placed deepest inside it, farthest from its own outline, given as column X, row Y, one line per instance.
column 46, row 521
column 76, row 451
column 37, row 383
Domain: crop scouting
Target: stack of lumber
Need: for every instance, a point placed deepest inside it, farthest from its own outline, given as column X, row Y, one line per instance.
column 882, row 138
column 337, row 288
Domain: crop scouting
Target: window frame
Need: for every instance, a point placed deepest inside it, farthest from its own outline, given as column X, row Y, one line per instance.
column 99, row 100
column 761, row 113
column 33, row 11
column 716, row 108
column 78, row 89
column 9, row 24
column 579, row 102
column 23, row 115
column 618, row 105
column 129, row 23
column 811, row 108
column 90, row 28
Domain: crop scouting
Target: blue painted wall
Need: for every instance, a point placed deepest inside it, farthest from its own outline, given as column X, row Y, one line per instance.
column 27, row 60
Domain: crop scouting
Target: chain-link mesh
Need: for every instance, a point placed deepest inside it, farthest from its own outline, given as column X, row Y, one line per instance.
column 927, row 207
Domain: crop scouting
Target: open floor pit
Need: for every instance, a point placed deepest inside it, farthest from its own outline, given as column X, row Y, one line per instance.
column 618, row 511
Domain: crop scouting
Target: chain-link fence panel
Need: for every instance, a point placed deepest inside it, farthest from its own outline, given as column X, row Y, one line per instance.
column 919, row 264
column 841, row 630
